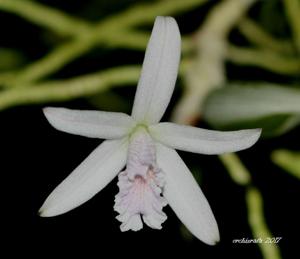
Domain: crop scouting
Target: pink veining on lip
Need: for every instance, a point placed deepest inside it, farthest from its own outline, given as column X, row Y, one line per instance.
column 140, row 187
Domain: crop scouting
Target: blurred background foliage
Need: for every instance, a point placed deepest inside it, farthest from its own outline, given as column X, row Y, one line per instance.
column 240, row 69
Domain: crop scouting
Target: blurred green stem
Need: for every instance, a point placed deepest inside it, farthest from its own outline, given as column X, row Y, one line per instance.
column 61, row 90
column 258, row 36
column 288, row 160
column 69, row 89
column 258, row 225
column 146, row 13
column 129, row 40
column 237, row 171
column 256, row 218
column 206, row 67
column 67, row 25
column 292, row 8
column 100, row 33
column 69, row 51
column 50, row 63
column 138, row 41
column 45, row 16
column 264, row 58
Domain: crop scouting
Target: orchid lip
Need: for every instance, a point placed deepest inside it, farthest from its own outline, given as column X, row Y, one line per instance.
column 140, row 186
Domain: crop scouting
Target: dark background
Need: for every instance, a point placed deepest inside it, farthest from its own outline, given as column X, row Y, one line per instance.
column 36, row 158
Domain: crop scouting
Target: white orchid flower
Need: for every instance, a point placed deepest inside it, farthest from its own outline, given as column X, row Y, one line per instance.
column 155, row 175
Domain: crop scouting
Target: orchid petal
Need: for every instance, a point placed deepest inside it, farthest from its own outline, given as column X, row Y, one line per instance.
column 203, row 141
column 93, row 124
column 92, row 175
column 159, row 71
column 185, row 196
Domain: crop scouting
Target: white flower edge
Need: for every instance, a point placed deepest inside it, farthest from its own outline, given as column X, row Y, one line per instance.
column 159, row 72
column 185, row 196
column 202, row 141
column 90, row 177
column 93, row 124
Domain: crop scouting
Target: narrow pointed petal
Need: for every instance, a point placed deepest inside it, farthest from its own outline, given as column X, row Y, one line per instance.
column 159, row 71
column 197, row 140
column 185, row 196
column 92, row 175
column 93, row 124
